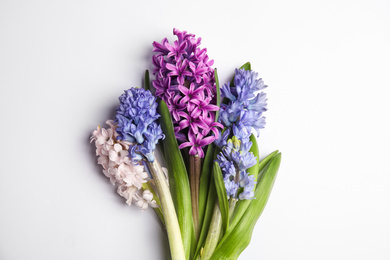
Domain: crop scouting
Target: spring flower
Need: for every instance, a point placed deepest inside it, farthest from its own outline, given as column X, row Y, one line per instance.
column 113, row 156
column 248, row 183
column 179, row 70
column 136, row 119
column 245, row 108
column 185, row 81
column 196, row 141
column 117, row 154
column 239, row 116
column 144, row 199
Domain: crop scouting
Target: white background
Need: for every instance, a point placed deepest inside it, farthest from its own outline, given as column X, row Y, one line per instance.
column 327, row 64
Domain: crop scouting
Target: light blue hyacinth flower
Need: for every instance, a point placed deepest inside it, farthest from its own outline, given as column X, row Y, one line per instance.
column 240, row 115
column 234, row 160
column 246, row 105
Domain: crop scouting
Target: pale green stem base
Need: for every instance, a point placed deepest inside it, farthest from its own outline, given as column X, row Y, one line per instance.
column 148, row 186
column 213, row 234
column 160, row 215
column 232, row 206
column 168, row 209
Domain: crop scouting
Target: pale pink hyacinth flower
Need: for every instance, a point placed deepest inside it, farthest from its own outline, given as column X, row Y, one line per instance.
column 144, row 199
column 129, row 177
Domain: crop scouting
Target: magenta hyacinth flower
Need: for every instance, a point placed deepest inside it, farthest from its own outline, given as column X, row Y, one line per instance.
column 197, row 142
column 185, row 81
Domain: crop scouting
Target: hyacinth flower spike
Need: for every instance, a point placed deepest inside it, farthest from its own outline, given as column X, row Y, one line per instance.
column 242, row 113
column 132, row 180
column 136, row 123
column 185, row 82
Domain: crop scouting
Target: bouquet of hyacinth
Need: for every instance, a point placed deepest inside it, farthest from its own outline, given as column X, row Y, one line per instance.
column 214, row 186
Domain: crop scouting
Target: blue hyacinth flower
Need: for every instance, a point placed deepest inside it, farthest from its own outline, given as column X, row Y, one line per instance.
column 136, row 122
column 234, row 160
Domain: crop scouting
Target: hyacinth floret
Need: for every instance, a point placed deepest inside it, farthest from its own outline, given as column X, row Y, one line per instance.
column 185, row 81
column 248, row 182
column 234, row 160
column 136, row 123
column 221, row 141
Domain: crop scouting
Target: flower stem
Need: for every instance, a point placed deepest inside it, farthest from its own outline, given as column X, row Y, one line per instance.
column 168, row 209
column 195, row 168
column 148, row 186
column 213, row 234
column 160, row 215
column 232, row 206
column 158, row 211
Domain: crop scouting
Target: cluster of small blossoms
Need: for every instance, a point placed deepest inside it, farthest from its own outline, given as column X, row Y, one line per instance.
column 239, row 116
column 129, row 177
column 136, row 123
column 245, row 108
column 234, row 160
column 185, row 81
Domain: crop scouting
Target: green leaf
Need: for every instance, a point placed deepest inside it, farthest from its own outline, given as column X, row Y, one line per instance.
column 207, row 163
column 231, row 246
column 218, row 94
column 246, row 66
column 254, row 170
column 265, row 161
column 207, row 196
column 222, row 196
column 147, row 80
column 210, row 203
column 211, row 197
column 178, row 180
column 205, row 181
